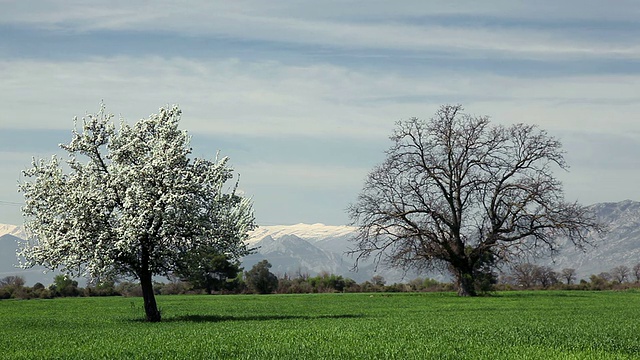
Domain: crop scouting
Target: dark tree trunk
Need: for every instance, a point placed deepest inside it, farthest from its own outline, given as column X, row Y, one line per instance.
column 146, row 282
column 465, row 282
column 150, row 306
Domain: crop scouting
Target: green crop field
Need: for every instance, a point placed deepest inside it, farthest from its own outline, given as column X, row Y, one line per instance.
column 510, row 325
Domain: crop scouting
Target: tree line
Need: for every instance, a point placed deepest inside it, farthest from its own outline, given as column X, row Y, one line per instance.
column 532, row 276
column 260, row 280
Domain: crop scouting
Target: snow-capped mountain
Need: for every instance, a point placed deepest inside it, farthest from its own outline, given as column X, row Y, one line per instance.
column 312, row 249
column 293, row 255
column 312, row 232
column 10, row 236
column 14, row 230
column 315, row 248
column 326, row 246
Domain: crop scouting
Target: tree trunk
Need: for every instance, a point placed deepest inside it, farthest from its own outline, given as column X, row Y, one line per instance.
column 146, row 282
column 464, row 280
column 150, row 306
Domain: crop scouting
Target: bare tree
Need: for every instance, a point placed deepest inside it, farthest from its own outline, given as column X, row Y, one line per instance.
column 524, row 275
column 12, row 280
column 568, row 274
column 459, row 194
column 529, row 275
column 620, row 273
column 636, row 272
column 605, row 276
column 378, row 280
column 545, row 276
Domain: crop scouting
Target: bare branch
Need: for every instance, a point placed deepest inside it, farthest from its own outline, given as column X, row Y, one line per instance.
column 459, row 191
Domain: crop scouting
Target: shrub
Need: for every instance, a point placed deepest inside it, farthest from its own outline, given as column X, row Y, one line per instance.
column 129, row 289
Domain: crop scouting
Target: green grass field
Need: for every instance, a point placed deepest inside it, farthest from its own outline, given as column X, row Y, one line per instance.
column 511, row 325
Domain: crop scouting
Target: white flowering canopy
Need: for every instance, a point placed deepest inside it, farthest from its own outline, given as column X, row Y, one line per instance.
column 130, row 201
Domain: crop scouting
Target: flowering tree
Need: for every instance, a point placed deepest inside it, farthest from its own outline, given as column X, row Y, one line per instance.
column 130, row 202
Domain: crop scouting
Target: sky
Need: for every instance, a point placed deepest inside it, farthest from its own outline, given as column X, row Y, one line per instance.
column 303, row 95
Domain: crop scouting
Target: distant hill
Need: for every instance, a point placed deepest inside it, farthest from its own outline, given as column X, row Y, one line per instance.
column 9, row 262
column 6, row 229
column 312, row 249
column 315, row 248
column 620, row 245
column 8, row 246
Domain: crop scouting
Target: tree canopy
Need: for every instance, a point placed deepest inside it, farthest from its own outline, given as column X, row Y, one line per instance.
column 260, row 280
column 458, row 193
column 205, row 268
column 130, row 200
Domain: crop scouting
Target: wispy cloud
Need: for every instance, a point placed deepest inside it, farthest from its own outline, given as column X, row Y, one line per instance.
column 251, row 76
column 412, row 28
column 268, row 98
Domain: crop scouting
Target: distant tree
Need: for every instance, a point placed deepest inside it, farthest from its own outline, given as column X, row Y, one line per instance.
column 326, row 282
column 620, row 273
column 598, row 282
column 455, row 189
column 605, row 276
column 106, row 287
column 12, row 280
column 40, row 291
column 569, row 275
column 38, row 286
column 378, row 280
column 260, row 280
column 63, row 285
column 130, row 202
column 205, row 268
column 545, row 276
column 636, row 272
column 11, row 286
column 525, row 274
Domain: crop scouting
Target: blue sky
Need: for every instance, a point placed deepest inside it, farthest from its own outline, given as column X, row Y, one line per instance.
column 302, row 96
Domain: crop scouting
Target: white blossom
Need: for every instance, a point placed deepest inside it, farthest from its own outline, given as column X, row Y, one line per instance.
column 127, row 192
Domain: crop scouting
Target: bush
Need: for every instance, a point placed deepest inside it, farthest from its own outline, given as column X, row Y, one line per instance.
column 106, row 288
column 38, row 286
column 175, row 288
column 22, row 293
column 44, row 294
column 129, row 289
column 4, row 293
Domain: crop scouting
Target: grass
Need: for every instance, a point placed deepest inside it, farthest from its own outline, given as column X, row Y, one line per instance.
column 511, row 325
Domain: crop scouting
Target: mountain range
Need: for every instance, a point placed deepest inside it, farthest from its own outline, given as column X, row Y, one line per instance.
column 315, row 248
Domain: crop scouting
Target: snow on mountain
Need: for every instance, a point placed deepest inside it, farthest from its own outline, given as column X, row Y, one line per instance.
column 620, row 245
column 292, row 255
column 10, row 235
column 310, row 232
column 312, row 249
column 17, row 231
column 315, row 248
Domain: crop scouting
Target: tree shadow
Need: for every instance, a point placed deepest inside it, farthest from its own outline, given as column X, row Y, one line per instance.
column 220, row 318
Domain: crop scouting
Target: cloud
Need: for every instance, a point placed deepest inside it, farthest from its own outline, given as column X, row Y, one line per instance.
column 302, row 97
column 270, row 98
column 415, row 27
column 309, row 176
